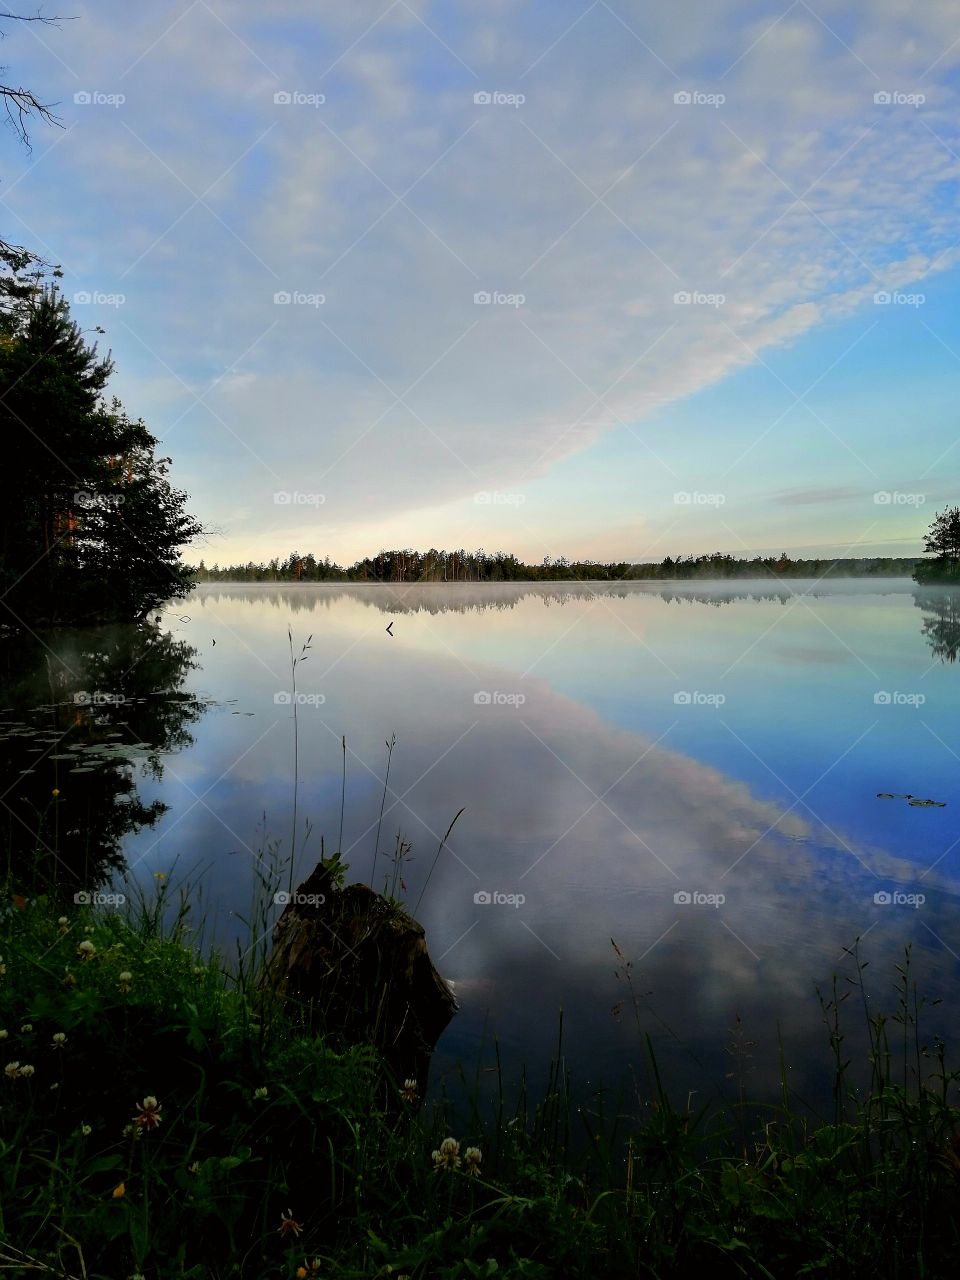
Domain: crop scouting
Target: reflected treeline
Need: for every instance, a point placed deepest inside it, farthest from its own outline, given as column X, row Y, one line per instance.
column 941, row 623
column 475, row 597
column 82, row 714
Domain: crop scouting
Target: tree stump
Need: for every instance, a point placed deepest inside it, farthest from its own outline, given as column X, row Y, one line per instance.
column 355, row 966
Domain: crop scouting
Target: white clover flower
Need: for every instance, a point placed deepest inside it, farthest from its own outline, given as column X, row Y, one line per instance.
column 124, row 981
column 59, row 1039
column 62, row 921
column 409, row 1091
column 471, row 1159
column 260, row 1094
column 448, row 1157
column 86, row 949
column 26, row 1070
column 89, row 929
column 27, row 1026
column 4, row 1034
column 12, row 1069
column 86, row 1130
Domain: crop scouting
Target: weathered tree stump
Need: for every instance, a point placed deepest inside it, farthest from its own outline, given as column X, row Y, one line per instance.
column 355, row 966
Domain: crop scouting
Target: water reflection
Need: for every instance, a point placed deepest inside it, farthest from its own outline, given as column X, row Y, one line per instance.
column 941, row 626
column 85, row 714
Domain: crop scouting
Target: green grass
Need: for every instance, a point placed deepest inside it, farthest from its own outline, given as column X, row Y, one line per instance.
column 875, row 1192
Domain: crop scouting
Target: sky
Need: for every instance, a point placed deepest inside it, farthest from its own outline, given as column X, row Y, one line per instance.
column 598, row 279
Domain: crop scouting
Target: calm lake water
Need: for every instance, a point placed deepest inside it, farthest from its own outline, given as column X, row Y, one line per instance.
column 692, row 771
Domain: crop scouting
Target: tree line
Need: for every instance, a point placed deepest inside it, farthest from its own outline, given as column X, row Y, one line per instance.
column 408, row 566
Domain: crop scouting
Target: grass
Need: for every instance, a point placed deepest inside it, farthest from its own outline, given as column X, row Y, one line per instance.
column 276, row 1156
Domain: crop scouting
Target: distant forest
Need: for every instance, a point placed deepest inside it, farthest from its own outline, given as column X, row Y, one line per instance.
column 478, row 566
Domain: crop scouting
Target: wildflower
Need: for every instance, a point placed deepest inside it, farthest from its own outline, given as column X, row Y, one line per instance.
column 301, row 1273
column 260, row 1094
column 12, row 1069
column 471, row 1159
column 26, row 1070
column 194, row 1168
column 27, row 1026
column 124, row 980
column 119, row 1191
column 69, row 979
column 86, row 1130
column 55, row 1085
column 89, row 928
column 160, row 876
column 4, row 1034
column 149, row 1116
column 409, row 1091
column 448, row 1157
column 289, row 1225
column 64, row 925
column 86, row 949
column 55, row 792
column 59, row 1039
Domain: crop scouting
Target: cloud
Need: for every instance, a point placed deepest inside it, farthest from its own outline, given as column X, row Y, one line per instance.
column 599, row 199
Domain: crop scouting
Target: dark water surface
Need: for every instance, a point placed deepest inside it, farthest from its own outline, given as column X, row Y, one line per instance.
column 691, row 771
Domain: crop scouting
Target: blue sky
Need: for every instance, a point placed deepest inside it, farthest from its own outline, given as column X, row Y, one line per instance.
column 217, row 155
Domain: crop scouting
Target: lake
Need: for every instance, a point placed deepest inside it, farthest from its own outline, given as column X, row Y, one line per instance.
column 712, row 775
